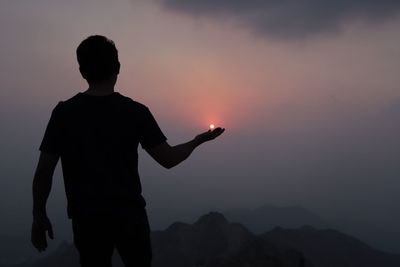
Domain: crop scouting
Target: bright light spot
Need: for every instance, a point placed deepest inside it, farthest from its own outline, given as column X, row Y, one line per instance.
column 212, row 126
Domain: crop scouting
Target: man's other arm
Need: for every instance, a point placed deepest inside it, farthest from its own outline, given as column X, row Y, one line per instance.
column 170, row 156
column 41, row 187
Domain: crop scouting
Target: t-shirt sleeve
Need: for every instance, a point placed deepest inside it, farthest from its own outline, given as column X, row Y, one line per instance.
column 150, row 133
column 52, row 140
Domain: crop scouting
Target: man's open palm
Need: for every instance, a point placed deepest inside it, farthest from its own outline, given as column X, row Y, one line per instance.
column 210, row 135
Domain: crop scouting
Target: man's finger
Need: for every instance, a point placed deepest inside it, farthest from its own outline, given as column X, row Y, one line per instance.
column 42, row 242
column 38, row 238
column 217, row 132
column 40, row 245
column 50, row 232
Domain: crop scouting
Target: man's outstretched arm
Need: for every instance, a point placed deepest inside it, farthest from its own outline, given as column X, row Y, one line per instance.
column 170, row 156
column 41, row 187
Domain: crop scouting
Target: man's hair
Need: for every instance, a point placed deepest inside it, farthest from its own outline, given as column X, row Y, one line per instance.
column 97, row 58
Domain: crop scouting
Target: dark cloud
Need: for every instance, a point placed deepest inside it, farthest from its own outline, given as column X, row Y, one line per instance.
column 289, row 18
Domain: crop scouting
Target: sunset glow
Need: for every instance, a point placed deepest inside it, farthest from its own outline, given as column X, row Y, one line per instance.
column 310, row 109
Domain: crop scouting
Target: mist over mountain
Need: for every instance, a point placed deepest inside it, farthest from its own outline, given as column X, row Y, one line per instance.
column 383, row 238
column 213, row 241
column 14, row 248
column 64, row 256
column 330, row 247
column 267, row 217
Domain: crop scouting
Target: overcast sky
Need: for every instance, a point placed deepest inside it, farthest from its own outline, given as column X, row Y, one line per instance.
column 307, row 90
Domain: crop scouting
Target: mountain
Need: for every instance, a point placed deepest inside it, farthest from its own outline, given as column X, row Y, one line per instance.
column 209, row 242
column 330, row 247
column 267, row 217
column 213, row 241
column 186, row 245
column 382, row 237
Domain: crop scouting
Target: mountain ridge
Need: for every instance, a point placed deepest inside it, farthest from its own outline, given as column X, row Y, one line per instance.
column 214, row 241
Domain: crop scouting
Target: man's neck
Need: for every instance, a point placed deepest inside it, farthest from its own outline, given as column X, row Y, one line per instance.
column 100, row 89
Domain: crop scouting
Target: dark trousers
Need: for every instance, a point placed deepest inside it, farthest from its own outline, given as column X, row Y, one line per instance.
column 96, row 237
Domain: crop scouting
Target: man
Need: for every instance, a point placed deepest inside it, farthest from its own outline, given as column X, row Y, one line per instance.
column 96, row 134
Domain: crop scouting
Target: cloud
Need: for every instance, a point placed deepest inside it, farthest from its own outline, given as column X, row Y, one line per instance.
column 289, row 18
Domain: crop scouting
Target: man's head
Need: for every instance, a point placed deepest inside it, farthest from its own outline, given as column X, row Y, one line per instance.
column 98, row 59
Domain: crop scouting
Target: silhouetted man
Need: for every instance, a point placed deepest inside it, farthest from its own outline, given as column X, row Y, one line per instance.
column 96, row 134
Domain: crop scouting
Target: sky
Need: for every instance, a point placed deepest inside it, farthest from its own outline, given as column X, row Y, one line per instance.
column 308, row 92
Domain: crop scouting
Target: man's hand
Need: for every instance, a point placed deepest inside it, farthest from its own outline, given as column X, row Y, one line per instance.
column 169, row 156
column 38, row 234
column 41, row 189
column 209, row 135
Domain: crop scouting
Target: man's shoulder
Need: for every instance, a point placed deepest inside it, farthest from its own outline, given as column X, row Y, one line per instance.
column 118, row 99
column 130, row 102
column 64, row 105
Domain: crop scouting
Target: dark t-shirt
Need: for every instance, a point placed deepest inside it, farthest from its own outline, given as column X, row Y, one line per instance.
column 97, row 139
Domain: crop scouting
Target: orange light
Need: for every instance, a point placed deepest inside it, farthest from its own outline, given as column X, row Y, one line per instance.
column 212, row 126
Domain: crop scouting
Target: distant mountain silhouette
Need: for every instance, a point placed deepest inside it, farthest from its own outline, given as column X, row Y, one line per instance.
column 384, row 238
column 212, row 241
column 330, row 248
column 267, row 217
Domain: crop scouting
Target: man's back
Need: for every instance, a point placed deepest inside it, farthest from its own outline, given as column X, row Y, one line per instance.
column 97, row 138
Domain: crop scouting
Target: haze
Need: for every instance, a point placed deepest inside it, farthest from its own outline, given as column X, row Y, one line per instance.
column 311, row 109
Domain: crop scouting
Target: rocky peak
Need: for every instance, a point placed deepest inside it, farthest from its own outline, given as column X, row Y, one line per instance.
column 212, row 218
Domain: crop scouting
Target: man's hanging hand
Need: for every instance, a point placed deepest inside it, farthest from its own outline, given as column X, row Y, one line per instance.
column 41, row 227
